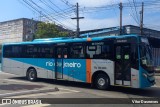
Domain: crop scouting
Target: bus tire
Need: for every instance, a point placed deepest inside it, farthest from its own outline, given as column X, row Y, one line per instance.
column 32, row 75
column 102, row 81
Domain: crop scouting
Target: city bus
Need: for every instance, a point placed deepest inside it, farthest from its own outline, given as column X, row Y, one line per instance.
column 124, row 60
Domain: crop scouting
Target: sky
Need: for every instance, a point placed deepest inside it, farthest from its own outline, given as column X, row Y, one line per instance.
column 61, row 12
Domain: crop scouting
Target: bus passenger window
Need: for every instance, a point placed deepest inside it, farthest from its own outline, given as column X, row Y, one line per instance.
column 59, row 52
column 91, row 49
column 77, row 52
column 106, row 52
column 99, row 51
column 65, row 53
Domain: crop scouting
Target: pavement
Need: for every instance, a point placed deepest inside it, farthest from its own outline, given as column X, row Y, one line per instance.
column 12, row 86
column 157, row 80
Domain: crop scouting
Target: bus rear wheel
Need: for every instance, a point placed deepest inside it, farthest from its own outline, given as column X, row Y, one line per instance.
column 32, row 75
column 102, row 82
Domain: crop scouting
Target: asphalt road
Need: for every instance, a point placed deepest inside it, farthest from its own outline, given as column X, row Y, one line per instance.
column 12, row 86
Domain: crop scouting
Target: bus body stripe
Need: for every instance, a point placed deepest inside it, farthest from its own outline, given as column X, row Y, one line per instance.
column 88, row 70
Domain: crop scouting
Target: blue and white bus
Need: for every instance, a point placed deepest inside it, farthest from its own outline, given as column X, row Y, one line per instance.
column 102, row 61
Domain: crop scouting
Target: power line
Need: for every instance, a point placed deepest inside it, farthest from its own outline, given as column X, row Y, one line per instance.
column 114, row 10
column 67, row 3
column 93, row 11
column 58, row 7
column 31, row 6
column 43, row 14
column 133, row 16
column 69, row 13
column 41, row 9
column 49, row 14
column 58, row 14
column 138, row 4
column 26, row 6
column 35, row 9
column 61, row 15
column 136, row 10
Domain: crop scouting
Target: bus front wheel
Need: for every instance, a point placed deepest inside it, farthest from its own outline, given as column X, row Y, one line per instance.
column 32, row 74
column 102, row 82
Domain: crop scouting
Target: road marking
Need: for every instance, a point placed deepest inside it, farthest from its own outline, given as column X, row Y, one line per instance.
column 36, row 83
column 47, row 93
column 37, row 105
column 68, row 90
column 19, row 81
column 1, row 72
column 28, row 91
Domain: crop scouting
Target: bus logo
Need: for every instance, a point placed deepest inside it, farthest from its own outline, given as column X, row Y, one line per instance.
column 72, row 65
column 65, row 64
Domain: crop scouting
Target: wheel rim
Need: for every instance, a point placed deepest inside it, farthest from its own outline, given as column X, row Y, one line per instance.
column 101, row 81
column 31, row 75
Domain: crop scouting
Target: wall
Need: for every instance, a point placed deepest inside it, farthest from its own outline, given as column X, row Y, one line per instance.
column 11, row 31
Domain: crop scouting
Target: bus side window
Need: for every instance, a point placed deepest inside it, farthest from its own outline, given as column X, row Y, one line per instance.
column 65, row 53
column 16, row 51
column 77, row 51
column 48, row 51
column 58, row 55
column 106, row 52
column 98, row 50
column 7, row 51
column 90, row 53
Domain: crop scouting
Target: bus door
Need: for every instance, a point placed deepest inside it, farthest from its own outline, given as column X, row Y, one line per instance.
column 122, row 64
column 61, row 53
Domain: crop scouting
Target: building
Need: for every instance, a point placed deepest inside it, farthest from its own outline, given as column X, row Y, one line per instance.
column 114, row 31
column 17, row 30
column 153, row 36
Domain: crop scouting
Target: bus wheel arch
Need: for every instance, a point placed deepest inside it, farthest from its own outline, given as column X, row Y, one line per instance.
column 101, row 80
column 31, row 74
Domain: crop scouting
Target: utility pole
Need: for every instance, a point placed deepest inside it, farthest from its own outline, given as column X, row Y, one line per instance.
column 77, row 18
column 141, row 19
column 120, row 7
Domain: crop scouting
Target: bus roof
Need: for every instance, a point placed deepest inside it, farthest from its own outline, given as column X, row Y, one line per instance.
column 69, row 39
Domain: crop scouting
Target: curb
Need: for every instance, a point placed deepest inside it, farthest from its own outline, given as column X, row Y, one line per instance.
column 28, row 92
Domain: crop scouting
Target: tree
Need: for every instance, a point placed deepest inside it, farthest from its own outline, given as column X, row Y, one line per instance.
column 48, row 30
